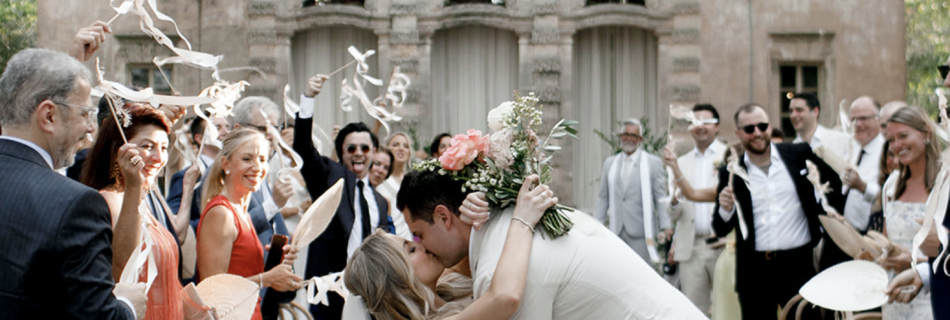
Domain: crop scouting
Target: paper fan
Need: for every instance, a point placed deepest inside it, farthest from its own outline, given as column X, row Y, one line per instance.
column 846, row 237
column 231, row 296
column 318, row 216
column 848, row 286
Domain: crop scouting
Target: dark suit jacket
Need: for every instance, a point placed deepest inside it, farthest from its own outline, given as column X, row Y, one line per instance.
column 940, row 284
column 55, row 243
column 794, row 156
column 328, row 252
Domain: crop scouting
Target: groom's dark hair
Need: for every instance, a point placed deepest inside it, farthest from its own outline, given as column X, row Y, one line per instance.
column 422, row 191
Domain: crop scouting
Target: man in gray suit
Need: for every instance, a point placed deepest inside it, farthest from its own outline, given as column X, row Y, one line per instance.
column 56, row 236
column 633, row 197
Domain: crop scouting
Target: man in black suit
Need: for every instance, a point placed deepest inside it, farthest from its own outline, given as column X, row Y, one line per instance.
column 56, row 239
column 774, row 256
column 361, row 210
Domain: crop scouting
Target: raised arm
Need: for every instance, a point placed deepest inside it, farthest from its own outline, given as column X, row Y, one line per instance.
column 316, row 168
column 507, row 285
column 724, row 224
column 126, row 219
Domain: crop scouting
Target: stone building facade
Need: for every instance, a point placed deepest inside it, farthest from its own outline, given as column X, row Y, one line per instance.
column 594, row 62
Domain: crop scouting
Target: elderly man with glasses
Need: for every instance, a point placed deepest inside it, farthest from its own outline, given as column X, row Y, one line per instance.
column 632, row 195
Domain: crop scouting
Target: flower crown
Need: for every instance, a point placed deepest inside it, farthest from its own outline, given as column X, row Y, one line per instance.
column 497, row 164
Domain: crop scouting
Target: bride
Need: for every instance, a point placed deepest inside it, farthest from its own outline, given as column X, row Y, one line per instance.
column 399, row 279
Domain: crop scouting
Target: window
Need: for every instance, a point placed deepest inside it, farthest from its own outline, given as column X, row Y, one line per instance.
column 636, row 2
column 148, row 76
column 794, row 78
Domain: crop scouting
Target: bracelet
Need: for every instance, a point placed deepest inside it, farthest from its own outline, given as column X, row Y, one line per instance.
column 526, row 224
column 261, row 276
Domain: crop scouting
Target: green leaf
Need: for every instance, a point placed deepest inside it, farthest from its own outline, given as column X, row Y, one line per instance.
column 552, row 148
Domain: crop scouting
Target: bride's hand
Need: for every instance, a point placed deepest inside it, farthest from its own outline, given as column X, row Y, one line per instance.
column 474, row 209
column 533, row 202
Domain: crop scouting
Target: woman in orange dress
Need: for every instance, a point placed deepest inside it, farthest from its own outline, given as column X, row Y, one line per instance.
column 227, row 241
column 123, row 174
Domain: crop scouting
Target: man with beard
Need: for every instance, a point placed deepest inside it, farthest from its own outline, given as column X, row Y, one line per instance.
column 695, row 246
column 779, row 225
column 362, row 209
column 631, row 189
column 56, row 235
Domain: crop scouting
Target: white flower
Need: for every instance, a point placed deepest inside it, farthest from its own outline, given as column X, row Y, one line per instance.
column 496, row 117
column 500, row 149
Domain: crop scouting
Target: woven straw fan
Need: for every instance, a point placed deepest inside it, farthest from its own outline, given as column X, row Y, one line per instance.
column 318, row 216
column 848, row 286
column 231, row 297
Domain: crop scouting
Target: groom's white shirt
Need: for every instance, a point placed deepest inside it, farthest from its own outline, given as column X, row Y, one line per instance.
column 587, row 274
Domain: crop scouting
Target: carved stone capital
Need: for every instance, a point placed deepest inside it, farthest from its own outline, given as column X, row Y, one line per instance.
column 545, row 36
column 686, row 8
column 266, row 65
column 546, row 65
column 261, row 8
column 404, row 37
column 686, row 93
column 410, row 65
column 544, row 8
column 405, row 9
column 686, row 64
column 685, row 36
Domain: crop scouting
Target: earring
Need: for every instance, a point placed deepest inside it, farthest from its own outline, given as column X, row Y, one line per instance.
column 227, row 172
column 927, row 141
column 116, row 174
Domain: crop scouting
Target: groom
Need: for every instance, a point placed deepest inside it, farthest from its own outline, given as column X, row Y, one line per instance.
column 587, row 273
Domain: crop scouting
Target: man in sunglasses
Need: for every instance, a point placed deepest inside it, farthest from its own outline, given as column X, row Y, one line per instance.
column 805, row 108
column 777, row 224
column 362, row 209
column 631, row 189
column 695, row 246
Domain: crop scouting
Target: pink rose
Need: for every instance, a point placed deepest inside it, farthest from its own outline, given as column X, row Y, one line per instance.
column 465, row 148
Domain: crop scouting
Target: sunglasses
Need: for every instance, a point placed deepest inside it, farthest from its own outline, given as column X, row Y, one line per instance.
column 749, row 129
column 944, row 70
column 352, row 148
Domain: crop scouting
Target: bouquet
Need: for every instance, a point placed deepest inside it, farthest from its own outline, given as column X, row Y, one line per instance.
column 497, row 164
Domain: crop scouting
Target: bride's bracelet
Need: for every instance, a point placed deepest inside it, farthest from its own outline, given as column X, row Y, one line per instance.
column 526, row 224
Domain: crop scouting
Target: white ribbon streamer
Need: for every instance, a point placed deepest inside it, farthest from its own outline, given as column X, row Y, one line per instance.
column 318, row 287
column 141, row 258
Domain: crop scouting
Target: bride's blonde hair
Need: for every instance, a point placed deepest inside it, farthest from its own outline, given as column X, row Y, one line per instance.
column 379, row 271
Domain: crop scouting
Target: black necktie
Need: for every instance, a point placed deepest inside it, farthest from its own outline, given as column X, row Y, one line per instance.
column 860, row 156
column 364, row 207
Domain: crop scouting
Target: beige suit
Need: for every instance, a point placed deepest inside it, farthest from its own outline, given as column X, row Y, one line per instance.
column 697, row 259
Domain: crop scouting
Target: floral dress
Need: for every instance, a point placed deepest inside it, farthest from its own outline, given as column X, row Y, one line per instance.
column 899, row 219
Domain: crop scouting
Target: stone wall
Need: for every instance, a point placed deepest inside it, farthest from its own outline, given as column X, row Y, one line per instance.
column 725, row 52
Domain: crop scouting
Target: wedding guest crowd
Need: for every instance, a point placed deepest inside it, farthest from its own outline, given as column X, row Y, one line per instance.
column 740, row 220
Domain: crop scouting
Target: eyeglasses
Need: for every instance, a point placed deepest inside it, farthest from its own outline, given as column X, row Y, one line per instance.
column 352, row 148
column 90, row 113
column 944, row 70
column 862, row 119
column 629, row 135
column 749, row 129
